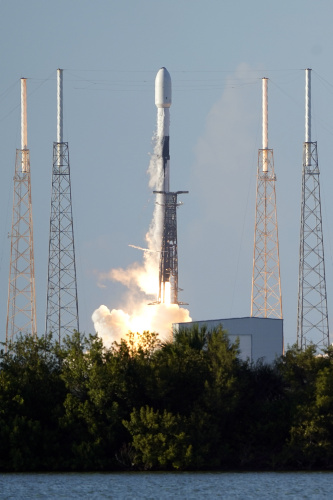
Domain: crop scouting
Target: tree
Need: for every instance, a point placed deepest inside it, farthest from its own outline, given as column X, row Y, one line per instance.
column 159, row 439
column 91, row 420
column 31, row 397
column 308, row 385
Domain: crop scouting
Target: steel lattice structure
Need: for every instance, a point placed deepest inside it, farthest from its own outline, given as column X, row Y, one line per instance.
column 266, row 298
column 312, row 314
column 21, row 306
column 168, row 270
column 62, row 315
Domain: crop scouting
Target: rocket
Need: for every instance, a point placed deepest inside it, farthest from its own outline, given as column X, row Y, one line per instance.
column 163, row 100
column 166, row 216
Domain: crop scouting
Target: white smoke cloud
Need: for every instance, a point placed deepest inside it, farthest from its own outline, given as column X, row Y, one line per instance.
column 223, row 188
column 112, row 325
column 141, row 280
column 227, row 149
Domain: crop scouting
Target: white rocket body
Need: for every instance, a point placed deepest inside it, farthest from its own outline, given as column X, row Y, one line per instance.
column 163, row 100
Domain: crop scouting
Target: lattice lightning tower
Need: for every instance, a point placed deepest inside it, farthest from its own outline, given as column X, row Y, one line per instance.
column 266, row 299
column 21, row 307
column 62, row 315
column 312, row 315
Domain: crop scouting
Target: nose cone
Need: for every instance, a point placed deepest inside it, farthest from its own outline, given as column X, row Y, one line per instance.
column 163, row 89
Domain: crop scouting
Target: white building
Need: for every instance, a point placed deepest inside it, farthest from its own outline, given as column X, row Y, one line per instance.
column 259, row 338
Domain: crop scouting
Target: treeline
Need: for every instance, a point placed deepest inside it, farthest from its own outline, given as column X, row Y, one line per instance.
column 189, row 405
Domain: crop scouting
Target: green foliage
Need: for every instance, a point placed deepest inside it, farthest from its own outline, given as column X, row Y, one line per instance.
column 195, row 338
column 140, row 404
column 159, row 439
column 308, row 377
column 31, row 395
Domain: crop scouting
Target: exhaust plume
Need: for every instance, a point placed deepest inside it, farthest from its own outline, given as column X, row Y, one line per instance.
column 141, row 280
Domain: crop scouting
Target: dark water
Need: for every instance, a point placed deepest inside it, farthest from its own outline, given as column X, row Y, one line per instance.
column 266, row 485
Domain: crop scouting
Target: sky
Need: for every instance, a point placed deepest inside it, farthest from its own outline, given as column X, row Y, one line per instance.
column 216, row 53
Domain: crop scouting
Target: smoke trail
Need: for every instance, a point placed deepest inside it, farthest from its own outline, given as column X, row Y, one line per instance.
column 141, row 279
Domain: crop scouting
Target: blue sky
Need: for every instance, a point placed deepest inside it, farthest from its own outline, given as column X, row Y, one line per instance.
column 216, row 52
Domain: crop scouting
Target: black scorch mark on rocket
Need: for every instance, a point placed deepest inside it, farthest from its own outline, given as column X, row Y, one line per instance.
column 165, row 151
